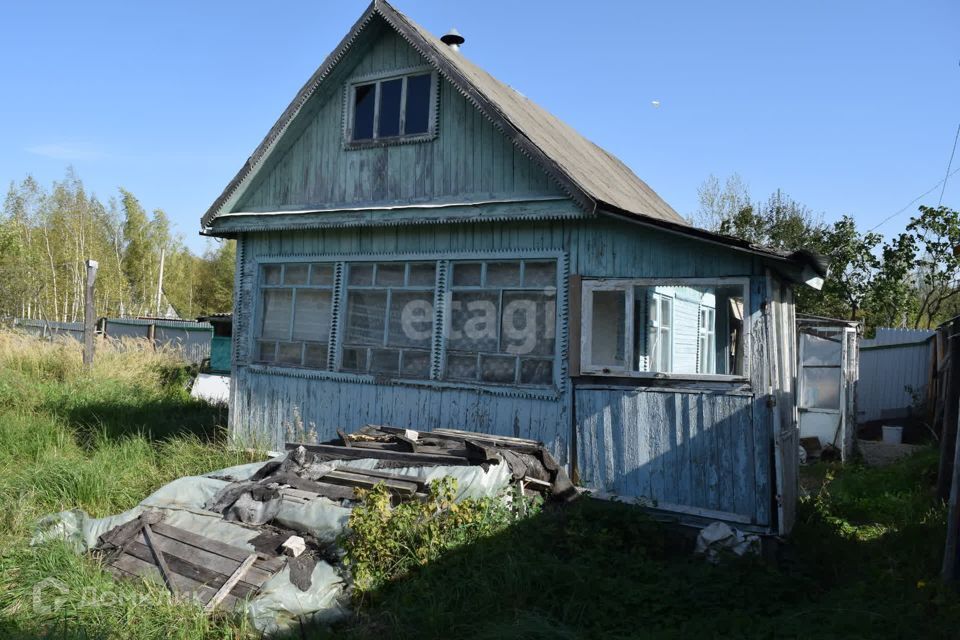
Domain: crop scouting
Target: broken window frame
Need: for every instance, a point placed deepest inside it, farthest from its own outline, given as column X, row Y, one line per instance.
column 377, row 80
column 628, row 285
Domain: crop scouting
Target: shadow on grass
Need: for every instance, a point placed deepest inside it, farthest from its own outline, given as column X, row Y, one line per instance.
column 601, row 570
column 156, row 418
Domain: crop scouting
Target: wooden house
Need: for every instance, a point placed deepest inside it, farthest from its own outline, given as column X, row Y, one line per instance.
column 420, row 245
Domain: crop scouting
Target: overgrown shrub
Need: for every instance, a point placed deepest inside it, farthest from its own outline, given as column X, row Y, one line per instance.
column 386, row 542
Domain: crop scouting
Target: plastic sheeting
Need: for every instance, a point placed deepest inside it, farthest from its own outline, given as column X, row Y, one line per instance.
column 278, row 603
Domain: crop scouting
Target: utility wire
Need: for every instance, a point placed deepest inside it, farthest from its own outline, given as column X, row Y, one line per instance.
column 909, row 204
column 949, row 164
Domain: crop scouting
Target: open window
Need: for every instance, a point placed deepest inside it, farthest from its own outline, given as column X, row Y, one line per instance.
column 664, row 328
column 388, row 108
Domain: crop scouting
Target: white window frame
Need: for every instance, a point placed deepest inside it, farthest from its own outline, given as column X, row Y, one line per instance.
column 707, row 336
column 349, row 105
column 657, row 328
column 590, row 285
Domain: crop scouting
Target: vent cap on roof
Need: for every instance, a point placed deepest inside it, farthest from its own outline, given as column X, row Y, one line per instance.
column 453, row 39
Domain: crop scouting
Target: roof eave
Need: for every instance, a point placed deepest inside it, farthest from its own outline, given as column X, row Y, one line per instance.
column 808, row 267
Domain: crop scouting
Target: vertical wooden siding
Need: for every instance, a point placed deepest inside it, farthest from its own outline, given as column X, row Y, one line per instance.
column 267, row 404
column 695, row 449
column 469, row 159
column 700, row 449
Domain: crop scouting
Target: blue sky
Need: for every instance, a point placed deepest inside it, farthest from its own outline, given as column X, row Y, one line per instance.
column 850, row 107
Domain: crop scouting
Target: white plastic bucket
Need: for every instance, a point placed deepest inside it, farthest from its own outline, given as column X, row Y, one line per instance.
column 892, row 435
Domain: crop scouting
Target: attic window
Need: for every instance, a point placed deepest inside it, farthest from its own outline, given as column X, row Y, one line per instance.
column 392, row 108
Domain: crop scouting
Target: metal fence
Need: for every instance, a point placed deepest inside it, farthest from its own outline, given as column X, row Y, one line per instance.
column 189, row 337
column 894, row 373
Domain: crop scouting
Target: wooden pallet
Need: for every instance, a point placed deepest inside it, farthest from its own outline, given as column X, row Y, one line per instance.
column 194, row 566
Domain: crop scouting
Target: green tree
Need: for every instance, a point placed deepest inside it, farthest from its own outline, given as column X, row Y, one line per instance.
column 853, row 268
column 937, row 235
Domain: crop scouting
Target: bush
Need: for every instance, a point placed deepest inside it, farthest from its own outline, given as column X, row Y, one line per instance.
column 386, row 542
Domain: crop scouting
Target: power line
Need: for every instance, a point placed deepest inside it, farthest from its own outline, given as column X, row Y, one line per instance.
column 949, row 164
column 909, row 204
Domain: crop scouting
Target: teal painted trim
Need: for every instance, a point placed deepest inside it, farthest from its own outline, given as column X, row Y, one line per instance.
column 554, row 208
column 220, row 354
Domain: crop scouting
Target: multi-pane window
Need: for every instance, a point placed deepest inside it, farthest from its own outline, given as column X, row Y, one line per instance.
column 389, row 320
column 633, row 327
column 502, row 322
column 295, row 314
column 500, row 319
column 393, row 107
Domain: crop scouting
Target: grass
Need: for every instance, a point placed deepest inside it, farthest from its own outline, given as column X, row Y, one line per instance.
column 863, row 560
column 100, row 441
column 863, row 563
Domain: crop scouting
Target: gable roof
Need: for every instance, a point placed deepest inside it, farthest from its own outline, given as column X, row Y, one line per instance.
column 594, row 178
column 590, row 175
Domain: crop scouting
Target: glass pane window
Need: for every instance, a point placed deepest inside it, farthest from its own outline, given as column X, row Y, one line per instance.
column 295, row 314
column 821, row 350
column 497, row 318
column 608, row 333
column 637, row 327
column 392, row 107
column 501, row 319
column 364, row 103
column 277, row 305
column 390, row 319
column 821, row 387
column 417, row 118
column 389, row 122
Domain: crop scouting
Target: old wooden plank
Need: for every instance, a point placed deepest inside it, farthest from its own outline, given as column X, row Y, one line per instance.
column 356, row 453
column 231, row 582
column 498, row 439
column 196, row 572
column 133, row 566
column 203, row 557
column 343, row 477
column 158, row 558
column 265, row 566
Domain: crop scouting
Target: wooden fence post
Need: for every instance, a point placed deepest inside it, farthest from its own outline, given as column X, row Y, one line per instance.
column 948, row 408
column 89, row 315
column 951, row 428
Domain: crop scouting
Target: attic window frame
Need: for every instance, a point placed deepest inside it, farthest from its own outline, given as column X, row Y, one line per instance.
column 349, row 105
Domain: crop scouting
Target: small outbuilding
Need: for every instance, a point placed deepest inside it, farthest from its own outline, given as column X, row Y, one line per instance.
column 420, row 245
column 829, row 365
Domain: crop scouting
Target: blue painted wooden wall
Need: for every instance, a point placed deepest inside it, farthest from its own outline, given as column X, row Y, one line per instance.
column 707, row 449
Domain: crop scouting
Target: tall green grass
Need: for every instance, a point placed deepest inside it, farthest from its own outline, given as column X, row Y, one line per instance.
column 101, row 441
column 863, row 560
